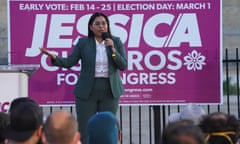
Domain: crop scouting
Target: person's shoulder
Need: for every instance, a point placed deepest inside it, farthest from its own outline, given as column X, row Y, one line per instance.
column 83, row 40
column 116, row 38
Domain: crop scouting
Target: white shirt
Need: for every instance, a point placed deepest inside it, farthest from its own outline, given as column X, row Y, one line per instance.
column 101, row 67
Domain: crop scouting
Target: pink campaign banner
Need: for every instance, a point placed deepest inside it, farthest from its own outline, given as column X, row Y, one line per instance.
column 173, row 47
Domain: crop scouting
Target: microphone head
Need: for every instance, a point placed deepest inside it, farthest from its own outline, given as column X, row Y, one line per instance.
column 106, row 35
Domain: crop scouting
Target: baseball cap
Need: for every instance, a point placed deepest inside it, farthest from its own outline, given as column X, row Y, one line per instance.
column 20, row 100
column 189, row 112
column 25, row 119
column 103, row 128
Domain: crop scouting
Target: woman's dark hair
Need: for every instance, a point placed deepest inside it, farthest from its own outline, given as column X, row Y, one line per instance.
column 220, row 128
column 92, row 18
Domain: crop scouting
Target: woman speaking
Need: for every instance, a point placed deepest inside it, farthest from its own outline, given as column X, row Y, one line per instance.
column 99, row 86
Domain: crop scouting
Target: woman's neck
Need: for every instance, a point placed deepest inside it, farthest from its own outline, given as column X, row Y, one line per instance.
column 99, row 39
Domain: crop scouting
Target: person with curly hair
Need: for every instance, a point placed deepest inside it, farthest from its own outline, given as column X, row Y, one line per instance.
column 220, row 128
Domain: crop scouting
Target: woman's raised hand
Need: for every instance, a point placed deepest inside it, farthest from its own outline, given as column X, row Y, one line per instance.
column 47, row 52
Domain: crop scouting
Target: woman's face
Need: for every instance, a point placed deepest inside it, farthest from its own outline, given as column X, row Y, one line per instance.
column 99, row 26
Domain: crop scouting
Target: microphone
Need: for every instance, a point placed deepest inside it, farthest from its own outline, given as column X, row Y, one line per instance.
column 106, row 35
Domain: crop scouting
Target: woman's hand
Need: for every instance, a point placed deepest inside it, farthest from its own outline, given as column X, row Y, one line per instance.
column 47, row 52
column 109, row 43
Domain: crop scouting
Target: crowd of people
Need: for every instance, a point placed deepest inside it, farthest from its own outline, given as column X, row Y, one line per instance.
column 193, row 126
column 24, row 124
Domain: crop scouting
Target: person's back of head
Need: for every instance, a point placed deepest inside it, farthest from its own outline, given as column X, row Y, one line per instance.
column 20, row 100
column 26, row 118
column 103, row 129
column 182, row 132
column 4, row 121
column 61, row 128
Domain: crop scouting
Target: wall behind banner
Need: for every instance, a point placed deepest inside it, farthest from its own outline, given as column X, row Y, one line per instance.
column 231, row 25
column 3, row 32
